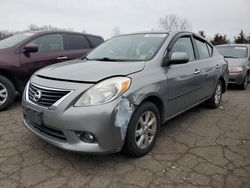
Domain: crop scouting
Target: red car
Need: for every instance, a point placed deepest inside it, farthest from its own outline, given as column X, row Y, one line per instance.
column 24, row 53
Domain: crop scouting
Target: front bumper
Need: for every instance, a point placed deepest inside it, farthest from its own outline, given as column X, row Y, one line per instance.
column 108, row 123
column 236, row 78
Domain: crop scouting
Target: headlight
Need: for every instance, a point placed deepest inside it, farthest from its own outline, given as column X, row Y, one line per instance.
column 235, row 69
column 104, row 91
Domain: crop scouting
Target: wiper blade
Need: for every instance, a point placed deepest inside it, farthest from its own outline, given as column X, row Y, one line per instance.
column 105, row 59
column 230, row 57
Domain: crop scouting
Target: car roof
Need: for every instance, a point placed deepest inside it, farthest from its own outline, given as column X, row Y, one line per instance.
column 61, row 31
column 225, row 45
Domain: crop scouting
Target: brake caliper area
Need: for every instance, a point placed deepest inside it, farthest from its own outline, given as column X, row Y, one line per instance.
column 123, row 113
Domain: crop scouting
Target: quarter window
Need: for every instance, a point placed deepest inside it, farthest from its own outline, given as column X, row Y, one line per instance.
column 75, row 42
column 184, row 44
column 48, row 43
column 202, row 49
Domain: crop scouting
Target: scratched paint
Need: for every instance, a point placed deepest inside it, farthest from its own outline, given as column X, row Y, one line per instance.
column 123, row 113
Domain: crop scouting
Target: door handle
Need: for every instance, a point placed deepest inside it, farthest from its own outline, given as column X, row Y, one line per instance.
column 197, row 71
column 62, row 58
column 217, row 66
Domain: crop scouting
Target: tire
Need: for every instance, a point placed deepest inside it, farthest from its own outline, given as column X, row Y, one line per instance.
column 7, row 93
column 244, row 85
column 132, row 146
column 215, row 99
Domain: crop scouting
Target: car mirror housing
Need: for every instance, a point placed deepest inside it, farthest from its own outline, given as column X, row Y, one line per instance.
column 30, row 49
column 179, row 58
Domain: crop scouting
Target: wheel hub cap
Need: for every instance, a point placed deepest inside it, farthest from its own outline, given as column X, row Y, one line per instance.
column 3, row 94
column 145, row 129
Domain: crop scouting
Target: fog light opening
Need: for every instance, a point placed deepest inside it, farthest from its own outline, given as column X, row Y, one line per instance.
column 86, row 137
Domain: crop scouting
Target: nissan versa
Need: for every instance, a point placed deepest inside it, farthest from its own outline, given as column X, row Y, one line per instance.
column 117, row 97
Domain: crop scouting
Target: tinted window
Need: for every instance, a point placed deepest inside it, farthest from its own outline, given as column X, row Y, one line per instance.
column 233, row 51
column 202, row 49
column 184, row 44
column 75, row 42
column 95, row 41
column 48, row 43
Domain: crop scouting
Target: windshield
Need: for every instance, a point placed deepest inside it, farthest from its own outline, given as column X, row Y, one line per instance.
column 137, row 47
column 13, row 40
column 233, row 51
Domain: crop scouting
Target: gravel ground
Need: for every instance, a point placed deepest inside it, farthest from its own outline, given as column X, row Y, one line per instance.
column 200, row 148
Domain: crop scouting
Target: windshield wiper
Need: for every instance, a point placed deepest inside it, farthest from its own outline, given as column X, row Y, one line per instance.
column 105, row 59
column 230, row 57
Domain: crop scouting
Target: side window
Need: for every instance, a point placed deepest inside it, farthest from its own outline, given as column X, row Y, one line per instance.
column 75, row 42
column 48, row 43
column 95, row 41
column 210, row 50
column 202, row 49
column 184, row 44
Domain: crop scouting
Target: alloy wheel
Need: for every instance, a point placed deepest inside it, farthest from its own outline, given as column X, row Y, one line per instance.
column 3, row 94
column 145, row 129
column 218, row 93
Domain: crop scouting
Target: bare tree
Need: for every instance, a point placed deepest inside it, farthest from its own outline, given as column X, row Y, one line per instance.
column 115, row 31
column 172, row 22
column 202, row 33
column 34, row 27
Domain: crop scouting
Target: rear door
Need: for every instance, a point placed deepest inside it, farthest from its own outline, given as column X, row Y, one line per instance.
column 50, row 51
column 76, row 45
column 182, row 79
column 208, row 66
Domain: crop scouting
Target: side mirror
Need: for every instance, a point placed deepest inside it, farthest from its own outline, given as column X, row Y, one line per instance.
column 179, row 58
column 30, row 49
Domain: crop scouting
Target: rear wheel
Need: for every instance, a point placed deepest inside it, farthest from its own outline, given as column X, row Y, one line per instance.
column 215, row 100
column 142, row 130
column 245, row 82
column 7, row 93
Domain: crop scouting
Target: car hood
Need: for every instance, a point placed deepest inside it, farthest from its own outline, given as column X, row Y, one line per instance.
column 236, row 62
column 89, row 71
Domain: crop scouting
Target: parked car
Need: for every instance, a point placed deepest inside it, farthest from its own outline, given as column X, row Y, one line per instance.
column 24, row 53
column 238, row 57
column 119, row 95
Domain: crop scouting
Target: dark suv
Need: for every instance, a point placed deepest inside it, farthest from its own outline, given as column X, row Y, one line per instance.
column 24, row 53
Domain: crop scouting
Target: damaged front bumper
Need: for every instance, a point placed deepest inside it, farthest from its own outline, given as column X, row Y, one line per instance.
column 61, row 126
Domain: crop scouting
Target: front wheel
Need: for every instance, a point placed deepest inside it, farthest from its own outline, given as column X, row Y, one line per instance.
column 7, row 93
column 243, row 86
column 215, row 99
column 142, row 130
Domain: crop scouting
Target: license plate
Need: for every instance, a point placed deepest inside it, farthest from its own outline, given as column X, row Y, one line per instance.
column 33, row 115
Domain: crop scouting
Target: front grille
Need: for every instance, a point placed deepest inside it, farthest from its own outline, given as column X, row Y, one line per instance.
column 45, row 97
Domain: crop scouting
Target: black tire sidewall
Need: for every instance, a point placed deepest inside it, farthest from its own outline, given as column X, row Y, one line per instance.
column 11, row 92
column 244, row 86
column 130, row 146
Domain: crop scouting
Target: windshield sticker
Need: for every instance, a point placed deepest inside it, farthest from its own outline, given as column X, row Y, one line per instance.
column 155, row 35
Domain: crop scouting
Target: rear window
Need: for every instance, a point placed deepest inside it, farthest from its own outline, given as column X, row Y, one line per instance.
column 75, row 42
column 202, row 49
column 95, row 41
column 233, row 51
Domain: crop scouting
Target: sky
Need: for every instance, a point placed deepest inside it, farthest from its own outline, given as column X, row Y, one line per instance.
column 101, row 16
